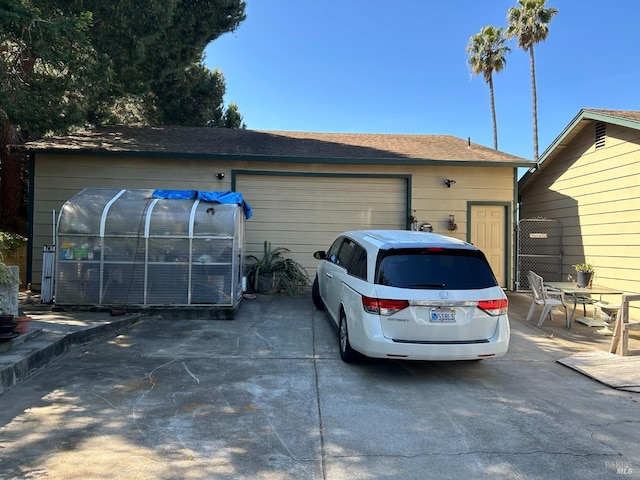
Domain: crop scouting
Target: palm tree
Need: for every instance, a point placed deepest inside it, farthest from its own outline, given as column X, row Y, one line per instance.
column 487, row 51
column 529, row 24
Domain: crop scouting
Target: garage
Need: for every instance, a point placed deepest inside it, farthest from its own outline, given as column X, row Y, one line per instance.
column 305, row 212
column 305, row 187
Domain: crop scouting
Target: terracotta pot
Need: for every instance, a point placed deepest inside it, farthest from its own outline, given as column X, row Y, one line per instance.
column 22, row 324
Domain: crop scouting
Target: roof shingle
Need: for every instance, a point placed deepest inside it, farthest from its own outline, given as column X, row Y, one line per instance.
column 236, row 142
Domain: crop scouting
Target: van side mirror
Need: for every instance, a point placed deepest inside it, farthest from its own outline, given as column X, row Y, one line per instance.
column 320, row 255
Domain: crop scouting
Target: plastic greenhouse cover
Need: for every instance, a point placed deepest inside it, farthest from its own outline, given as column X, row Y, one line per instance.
column 226, row 198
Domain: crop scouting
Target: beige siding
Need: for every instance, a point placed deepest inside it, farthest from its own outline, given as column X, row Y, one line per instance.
column 59, row 177
column 434, row 202
column 595, row 194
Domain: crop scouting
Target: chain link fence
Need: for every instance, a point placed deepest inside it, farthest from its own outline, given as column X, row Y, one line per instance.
column 540, row 250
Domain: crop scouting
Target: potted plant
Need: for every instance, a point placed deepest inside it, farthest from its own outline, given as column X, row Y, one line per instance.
column 274, row 272
column 22, row 324
column 585, row 274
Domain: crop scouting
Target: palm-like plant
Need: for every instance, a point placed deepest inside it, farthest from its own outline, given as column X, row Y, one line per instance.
column 529, row 24
column 278, row 271
column 487, row 52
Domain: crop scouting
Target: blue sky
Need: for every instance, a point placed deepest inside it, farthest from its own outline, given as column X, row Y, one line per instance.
column 375, row 66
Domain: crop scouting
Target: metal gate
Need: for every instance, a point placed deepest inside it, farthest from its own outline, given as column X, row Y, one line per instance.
column 539, row 249
column 48, row 274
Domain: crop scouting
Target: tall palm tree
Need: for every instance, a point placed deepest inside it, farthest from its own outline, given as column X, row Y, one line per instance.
column 487, row 52
column 529, row 24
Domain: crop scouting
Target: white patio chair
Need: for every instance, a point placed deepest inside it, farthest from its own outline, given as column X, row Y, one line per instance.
column 549, row 299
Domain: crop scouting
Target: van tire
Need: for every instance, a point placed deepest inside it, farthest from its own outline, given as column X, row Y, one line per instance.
column 315, row 295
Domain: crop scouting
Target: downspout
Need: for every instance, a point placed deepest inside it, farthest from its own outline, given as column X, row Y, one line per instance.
column 32, row 170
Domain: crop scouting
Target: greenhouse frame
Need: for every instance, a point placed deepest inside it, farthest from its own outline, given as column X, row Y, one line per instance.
column 151, row 248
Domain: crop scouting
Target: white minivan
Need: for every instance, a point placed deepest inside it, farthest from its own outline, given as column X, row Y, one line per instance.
column 411, row 295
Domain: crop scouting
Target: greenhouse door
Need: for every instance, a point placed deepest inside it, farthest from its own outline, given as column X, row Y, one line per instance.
column 305, row 213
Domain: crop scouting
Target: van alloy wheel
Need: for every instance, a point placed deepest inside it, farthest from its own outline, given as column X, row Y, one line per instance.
column 347, row 354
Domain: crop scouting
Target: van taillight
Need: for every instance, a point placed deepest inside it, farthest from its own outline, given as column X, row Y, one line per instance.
column 380, row 306
column 494, row 307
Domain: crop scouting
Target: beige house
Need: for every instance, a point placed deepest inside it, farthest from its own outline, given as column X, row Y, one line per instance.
column 304, row 188
column 588, row 180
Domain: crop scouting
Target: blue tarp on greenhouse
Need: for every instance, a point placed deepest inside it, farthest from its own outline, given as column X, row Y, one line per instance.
column 226, row 198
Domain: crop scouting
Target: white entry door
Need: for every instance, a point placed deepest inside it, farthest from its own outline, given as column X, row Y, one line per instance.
column 488, row 233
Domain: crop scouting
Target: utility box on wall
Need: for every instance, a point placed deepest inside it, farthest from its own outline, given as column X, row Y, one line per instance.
column 151, row 248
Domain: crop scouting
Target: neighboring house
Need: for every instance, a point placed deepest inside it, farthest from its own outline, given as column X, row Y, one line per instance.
column 304, row 188
column 589, row 181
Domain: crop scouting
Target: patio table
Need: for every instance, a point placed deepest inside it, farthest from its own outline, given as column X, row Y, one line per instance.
column 573, row 290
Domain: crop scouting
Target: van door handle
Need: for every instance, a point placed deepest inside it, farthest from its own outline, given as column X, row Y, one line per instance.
column 329, row 275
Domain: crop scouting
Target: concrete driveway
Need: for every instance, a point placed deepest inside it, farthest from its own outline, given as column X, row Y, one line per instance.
column 266, row 396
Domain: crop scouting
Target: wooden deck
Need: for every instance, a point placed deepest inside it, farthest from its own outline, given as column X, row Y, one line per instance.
column 622, row 373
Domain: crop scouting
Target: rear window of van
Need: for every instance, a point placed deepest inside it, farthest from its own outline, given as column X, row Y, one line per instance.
column 434, row 268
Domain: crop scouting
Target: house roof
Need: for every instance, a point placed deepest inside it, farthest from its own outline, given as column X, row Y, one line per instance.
column 274, row 146
column 586, row 116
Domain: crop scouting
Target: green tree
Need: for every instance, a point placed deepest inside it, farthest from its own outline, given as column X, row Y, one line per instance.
column 529, row 24
column 45, row 58
column 191, row 97
column 45, row 55
column 487, row 52
column 154, row 49
column 232, row 117
column 68, row 63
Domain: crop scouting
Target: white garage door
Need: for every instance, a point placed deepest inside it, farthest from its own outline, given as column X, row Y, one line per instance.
column 305, row 213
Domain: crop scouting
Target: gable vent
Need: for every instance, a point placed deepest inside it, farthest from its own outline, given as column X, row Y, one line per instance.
column 601, row 133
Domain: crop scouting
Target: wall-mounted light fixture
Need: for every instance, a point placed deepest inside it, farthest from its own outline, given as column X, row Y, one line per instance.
column 448, row 182
column 452, row 223
column 220, row 176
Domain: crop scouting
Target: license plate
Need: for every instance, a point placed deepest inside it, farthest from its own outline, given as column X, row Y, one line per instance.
column 442, row 315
